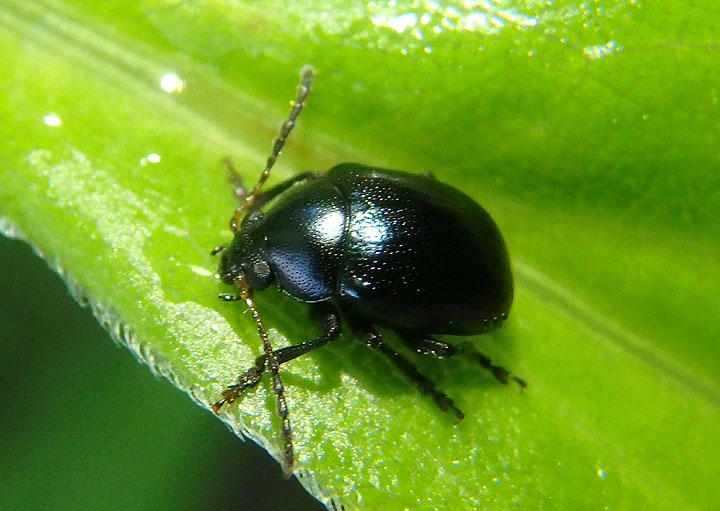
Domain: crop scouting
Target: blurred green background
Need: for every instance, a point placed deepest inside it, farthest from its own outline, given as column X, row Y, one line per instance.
column 85, row 426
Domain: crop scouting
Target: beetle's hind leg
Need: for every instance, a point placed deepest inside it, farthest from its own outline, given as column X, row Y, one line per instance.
column 425, row 385
column 428, row 345
column 500, row 373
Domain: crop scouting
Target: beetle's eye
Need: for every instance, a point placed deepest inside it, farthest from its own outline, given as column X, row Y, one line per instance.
column 258, row 274
column 261, row 269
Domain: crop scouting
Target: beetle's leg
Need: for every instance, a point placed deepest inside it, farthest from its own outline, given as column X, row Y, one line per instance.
column 248, row 379
column 324, row 313
column 264, row 197
column 500, row 373
column 273, row 192
column 331, row 330
column 427, row 345
column 288, row 457
column 307, row 74
column 239, row 189
column 425, row 385
column 235, row 179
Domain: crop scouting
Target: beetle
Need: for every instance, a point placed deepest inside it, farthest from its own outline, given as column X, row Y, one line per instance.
column 366, row 247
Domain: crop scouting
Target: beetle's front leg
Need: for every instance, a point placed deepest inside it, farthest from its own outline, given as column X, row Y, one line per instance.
column 248, row 379
column 322, row 312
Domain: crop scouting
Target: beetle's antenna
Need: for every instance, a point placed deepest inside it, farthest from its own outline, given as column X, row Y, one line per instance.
column 271, row 362
column 307, row 74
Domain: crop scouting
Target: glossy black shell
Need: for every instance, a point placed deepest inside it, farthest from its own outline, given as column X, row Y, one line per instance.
column 400, row 250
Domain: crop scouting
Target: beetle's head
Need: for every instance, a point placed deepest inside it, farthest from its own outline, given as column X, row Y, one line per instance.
column 245, row 257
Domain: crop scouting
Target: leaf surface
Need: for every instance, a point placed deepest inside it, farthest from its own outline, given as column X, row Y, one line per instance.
column 588, row 130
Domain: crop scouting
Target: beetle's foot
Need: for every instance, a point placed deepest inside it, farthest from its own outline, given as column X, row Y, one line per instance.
column 503, row 376
column 250, row 378
column 522, row 383
column 228, row 397
column 500, row 373
column 216, row 407
column 459, row 416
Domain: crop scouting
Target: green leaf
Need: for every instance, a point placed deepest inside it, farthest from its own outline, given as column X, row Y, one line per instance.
column 589, row 131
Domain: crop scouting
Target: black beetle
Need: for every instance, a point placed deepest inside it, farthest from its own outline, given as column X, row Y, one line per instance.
column 376, row 247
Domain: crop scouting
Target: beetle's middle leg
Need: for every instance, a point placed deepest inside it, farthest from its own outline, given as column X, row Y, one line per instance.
column 321, row 312
column 428, row 345
column 331, row 331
